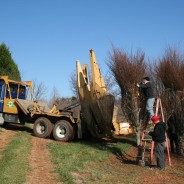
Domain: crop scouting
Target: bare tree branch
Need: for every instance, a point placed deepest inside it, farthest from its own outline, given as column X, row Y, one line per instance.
column 40, row 90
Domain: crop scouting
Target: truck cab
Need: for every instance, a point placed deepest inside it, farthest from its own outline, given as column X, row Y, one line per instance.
column 11, row 90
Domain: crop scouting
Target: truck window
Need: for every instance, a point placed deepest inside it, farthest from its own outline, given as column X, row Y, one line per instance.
column 13, row 90
column 29, row 95
column 22, row 92
column 0, row 91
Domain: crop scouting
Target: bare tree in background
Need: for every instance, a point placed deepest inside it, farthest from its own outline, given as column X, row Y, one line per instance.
column 73, row 83
column 54, row 98
column 110, row 84
column 40, row 90
column 60, row 101
column 128, row 70
column 65, row 101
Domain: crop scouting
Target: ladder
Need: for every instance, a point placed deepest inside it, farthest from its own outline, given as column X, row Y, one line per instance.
column 143, row 144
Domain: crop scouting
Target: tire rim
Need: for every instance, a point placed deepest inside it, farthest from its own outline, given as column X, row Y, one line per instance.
column 61, row 131
column 40, row 128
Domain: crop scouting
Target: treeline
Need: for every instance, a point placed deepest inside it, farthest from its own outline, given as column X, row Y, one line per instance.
column 7, row 64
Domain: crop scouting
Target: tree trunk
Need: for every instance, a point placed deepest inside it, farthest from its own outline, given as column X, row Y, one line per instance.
column 180, row 149
column 138, row 136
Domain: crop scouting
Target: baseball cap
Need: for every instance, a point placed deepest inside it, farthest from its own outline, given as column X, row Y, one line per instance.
column 155, row 118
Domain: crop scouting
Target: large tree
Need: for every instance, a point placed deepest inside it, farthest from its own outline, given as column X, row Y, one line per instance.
column 128, row 69
column 7, row 65
column 170, row 73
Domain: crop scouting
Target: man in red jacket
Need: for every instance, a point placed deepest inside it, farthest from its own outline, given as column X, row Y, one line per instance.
column 158, row 136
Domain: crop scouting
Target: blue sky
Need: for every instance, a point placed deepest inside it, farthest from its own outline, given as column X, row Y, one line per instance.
column 46, row 37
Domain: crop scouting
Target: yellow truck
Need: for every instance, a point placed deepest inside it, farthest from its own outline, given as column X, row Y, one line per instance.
column 17, row 105
column 92, row 114
column 11, row 90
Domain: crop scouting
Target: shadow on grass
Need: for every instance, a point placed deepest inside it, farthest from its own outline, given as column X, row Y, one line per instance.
column 126, row 158
column 18, row 127
column 111, row 145
column 130, row 139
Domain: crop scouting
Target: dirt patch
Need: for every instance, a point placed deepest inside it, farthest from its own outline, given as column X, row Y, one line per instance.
column 79, row 177
column 5, row 137
column 171, row 174
column 149, row 175
column 41, row 167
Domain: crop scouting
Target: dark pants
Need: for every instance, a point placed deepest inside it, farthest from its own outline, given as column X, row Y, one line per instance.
column 159, row 154
column 174, row 142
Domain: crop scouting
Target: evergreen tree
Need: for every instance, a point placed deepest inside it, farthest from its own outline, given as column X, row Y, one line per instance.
column 7, row 65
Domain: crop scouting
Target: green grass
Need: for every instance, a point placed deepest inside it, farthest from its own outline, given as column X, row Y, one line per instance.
column 14, row 159
column 83, row 157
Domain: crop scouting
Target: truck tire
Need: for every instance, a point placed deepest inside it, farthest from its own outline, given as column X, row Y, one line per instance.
column 63, row 131
column 42, row 127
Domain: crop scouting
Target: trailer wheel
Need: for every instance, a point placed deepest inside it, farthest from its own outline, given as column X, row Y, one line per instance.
column 63, row 131
column 42, row 127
